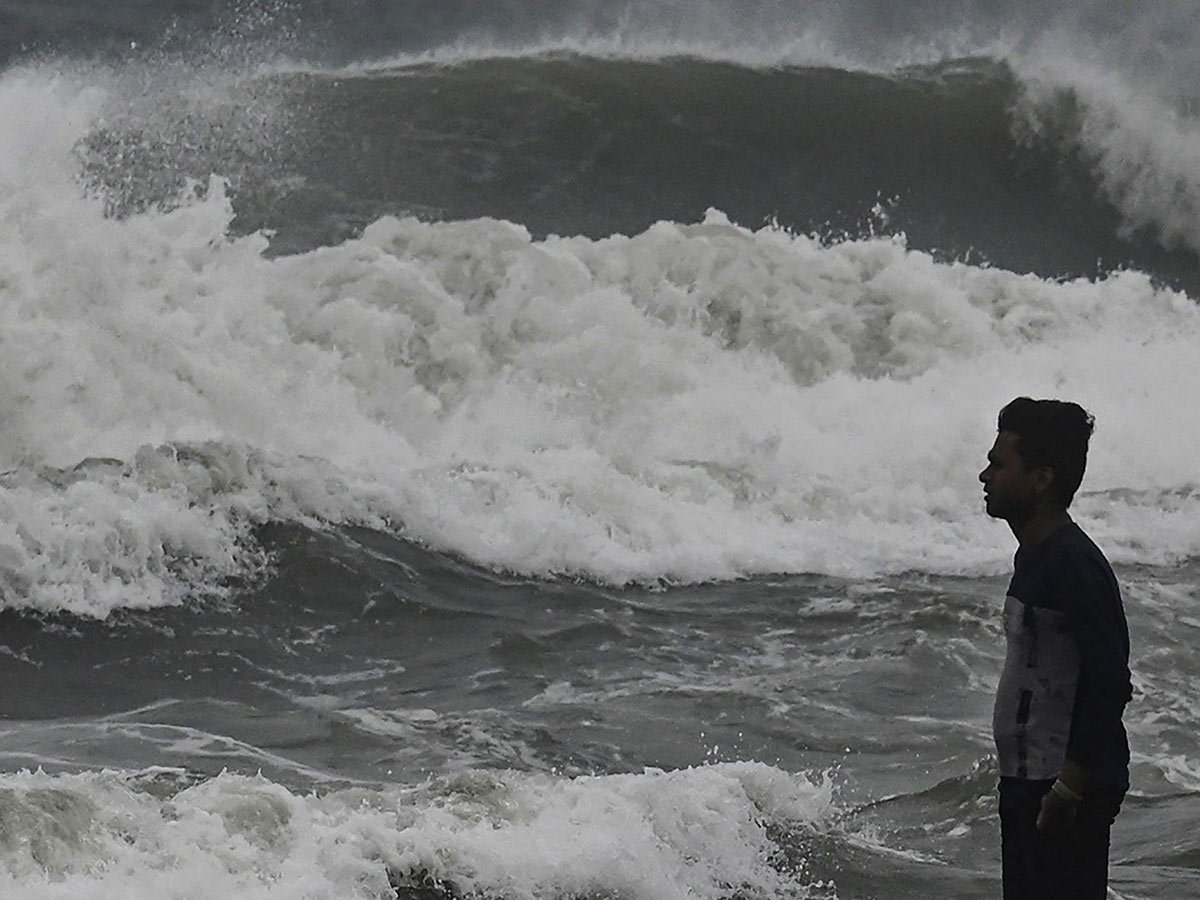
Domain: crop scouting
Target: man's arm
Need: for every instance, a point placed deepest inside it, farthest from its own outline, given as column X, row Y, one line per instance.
column 1097, row 621
column 1096, row 618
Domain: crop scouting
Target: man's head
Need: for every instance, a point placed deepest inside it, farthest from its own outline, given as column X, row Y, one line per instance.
column 1038, row 458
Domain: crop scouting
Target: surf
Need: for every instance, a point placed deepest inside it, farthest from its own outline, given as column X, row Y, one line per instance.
column 182, row 373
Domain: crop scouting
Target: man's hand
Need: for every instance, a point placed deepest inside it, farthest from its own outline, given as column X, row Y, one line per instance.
column 1057, row 814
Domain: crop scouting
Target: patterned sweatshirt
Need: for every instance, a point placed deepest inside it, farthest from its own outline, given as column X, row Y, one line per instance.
column 1066, row 674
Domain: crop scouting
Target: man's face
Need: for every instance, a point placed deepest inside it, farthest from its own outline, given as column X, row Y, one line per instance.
column 1010, row 488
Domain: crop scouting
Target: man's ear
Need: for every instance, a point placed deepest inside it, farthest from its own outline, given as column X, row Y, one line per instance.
column 1043, row 479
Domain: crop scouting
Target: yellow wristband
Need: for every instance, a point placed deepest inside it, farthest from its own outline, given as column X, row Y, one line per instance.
column 1065, row 792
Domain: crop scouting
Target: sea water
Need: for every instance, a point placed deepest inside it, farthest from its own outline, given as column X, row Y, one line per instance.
column 532, row 452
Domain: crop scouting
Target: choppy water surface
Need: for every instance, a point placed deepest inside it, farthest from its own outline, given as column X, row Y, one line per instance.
column 532, row 454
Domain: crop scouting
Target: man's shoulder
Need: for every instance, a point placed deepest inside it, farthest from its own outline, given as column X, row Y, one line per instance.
column 1077, row 548
column 1069, row 562
column 1081, row 572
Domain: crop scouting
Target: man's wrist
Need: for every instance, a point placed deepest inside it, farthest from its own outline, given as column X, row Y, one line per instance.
column 1065, row 792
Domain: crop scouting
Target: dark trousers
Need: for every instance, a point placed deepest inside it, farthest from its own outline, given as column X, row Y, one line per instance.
column 1039, row 866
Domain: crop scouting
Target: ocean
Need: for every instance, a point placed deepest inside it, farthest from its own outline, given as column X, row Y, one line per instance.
column 529, row 450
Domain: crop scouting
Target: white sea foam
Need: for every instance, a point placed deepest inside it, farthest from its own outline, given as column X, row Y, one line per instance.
column 695, row 402
column 1140, row 139
column 689, row 833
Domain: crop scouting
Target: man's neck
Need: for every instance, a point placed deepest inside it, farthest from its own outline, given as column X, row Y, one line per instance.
column 1039, row 526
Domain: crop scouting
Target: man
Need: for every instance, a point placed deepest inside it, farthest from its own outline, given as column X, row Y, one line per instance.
column 1063, row 753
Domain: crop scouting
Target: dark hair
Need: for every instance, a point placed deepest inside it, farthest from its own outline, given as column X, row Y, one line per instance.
column 1052, row 434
